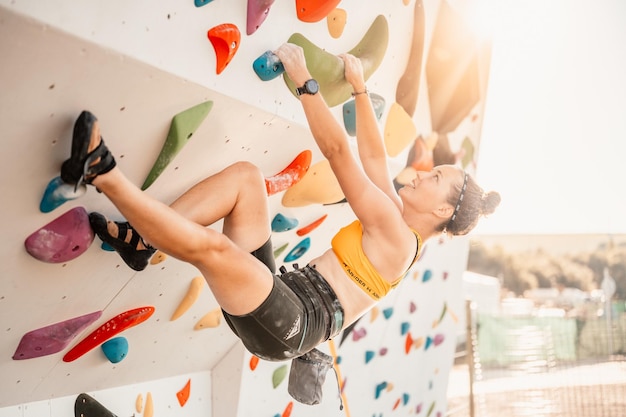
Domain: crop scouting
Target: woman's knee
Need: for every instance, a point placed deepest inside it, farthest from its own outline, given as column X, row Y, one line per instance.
column 248, row 173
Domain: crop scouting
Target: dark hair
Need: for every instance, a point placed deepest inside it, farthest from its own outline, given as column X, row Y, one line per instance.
column 475, row 203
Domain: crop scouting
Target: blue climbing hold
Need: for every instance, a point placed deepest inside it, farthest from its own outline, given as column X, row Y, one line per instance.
column 405, row 398
column 388, row 312
column 299, row 250
column 58, row 192
column 281, row 223
column 429, row 341
column 268, row 66
column 428, row 274
column 105, row 246
column 369, row 355
column 379, row 388
column 115, row 349
column 200, row 3
column 349, row 112
column 404, row 327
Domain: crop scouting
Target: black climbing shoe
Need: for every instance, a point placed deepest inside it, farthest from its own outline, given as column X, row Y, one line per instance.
column 83, row 166
column 135, row 258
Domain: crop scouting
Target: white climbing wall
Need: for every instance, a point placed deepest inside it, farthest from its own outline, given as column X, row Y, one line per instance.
column 136, row 64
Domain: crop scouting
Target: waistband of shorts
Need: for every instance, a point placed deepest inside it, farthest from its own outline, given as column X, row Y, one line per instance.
column 328, row 295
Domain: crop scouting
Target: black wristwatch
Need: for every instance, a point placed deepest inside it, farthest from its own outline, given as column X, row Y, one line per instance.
column 310, row 87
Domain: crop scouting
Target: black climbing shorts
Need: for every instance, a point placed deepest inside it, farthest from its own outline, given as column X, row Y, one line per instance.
column 301, row 312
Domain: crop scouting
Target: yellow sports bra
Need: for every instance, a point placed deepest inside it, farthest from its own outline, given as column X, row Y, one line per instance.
column 348, row 248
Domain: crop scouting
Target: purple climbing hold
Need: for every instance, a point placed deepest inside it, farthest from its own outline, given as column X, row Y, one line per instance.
column 63, row 239
column 53, row 338
column 257, row 13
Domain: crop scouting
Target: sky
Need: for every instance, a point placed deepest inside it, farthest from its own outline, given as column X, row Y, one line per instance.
column 553, row 141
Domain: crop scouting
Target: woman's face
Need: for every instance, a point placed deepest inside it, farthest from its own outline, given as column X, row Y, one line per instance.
column 429, row 191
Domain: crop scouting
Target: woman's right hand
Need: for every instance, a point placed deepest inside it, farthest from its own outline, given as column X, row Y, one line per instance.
column 292, row 58
column 353, row 72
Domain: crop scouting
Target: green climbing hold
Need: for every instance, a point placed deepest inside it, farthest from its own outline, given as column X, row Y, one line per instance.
column 327, row 68
column 183, row 126
column 279, row 375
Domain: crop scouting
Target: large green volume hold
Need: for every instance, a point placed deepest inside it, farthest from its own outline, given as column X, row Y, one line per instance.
column 184, row 124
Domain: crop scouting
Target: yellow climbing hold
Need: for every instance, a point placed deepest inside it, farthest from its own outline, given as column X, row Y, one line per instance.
column 193, row 292
column 158, row 257
column 336, row 22
column 149, row 411
column 400, row 130
column 139, row 403
column 210, row 319
column 374, row 314
column 319, row 186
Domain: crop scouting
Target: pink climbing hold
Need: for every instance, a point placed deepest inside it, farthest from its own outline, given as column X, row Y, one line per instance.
column 63, row 239
column 257, row 13
column 53, row 338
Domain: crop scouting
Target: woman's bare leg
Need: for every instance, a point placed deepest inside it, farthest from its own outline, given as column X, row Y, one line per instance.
column 236, row 194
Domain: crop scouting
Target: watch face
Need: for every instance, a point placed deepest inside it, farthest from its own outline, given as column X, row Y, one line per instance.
column 311, row 86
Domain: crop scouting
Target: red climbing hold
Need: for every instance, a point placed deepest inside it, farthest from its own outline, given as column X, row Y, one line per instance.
column 291, row 175
column 109, row 329
column 314, row 10
column 225, row 39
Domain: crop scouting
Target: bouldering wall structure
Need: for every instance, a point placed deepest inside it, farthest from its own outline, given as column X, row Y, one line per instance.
column 183, row 90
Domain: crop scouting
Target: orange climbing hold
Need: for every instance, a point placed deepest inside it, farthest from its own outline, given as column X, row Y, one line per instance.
column 288, row 409
column 307, row 229
column 314, row 10
column 225, row 39
column 183, row 394
column 254, row 361
column 291, row 175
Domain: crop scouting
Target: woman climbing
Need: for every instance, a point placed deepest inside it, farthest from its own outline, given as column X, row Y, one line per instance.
column 279, row 317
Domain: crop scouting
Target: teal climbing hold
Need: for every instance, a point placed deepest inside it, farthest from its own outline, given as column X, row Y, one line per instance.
column 429, row 341
column 281, row 223
column 182, row 127
column 405, row 398
column 379, row 388
column 58, row 192
column 105, row 246
column 115, row 349
column 388, row 312
column 299, row 250
column 369, row 355
column 428, row 274
column 338, row 360
column 200, row 3
column 268, row 66
column 349, row 112
column 404, row 327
